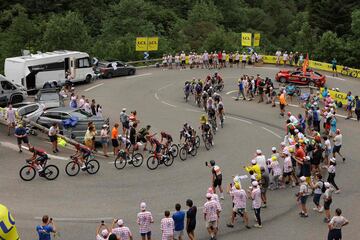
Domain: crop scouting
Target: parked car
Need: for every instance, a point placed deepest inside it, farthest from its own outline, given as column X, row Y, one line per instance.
column 11, row 92
column 109, row 69
column 62, row 114
column 310, row 78
column 29, row 110
column 50, row 98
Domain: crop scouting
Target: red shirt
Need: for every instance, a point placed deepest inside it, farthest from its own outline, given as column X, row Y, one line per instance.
column 219, row 55
column 300, row 153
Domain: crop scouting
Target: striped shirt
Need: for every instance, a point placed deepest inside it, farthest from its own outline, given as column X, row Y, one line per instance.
column 239, row 198
column 123, row 232
column 167, row 227
column 144, row 219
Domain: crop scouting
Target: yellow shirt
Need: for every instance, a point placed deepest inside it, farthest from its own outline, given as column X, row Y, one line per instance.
column 256, row 169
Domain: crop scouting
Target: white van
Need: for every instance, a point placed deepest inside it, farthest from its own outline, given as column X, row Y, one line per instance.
column 10, row 92
column 34, row 70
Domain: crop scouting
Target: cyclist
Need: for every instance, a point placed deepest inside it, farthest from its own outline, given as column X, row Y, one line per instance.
column 38, row 158
column 187, row 90
column 82, row 152
column 206, row 128
column 220, row 112
column 126, row 142
column 204, row 97
column 189, row 134
column 217, row 98
column 167, row 137
column 156, row 144
column 212, row 116
column 198, row 91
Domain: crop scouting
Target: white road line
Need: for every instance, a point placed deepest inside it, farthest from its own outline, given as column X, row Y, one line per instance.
column 140, row 75
column 156, row 96
column 273, row 133
column 239, row 119
column 15, row 147
column 231, row 92
column 168, row 104
column 111, row 162
column 90, row 88
column 77, row 219
column 341, row 79
column 166, row 86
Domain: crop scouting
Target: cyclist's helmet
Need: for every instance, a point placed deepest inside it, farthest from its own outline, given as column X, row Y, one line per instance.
column 77, row 146
column 162, row 133
column 185, row 124
column 212, row 163
column 31, row 149
column 289, row 114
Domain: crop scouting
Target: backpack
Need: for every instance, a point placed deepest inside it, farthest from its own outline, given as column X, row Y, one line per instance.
column 142, row 131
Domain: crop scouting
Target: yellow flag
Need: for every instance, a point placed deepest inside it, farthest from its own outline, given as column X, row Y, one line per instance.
column 246, row 39
column 7, row 225
column 141, row 44
column 153, row 43
column 256, row 39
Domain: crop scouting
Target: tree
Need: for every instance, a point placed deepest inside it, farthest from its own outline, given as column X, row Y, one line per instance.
column 329, row 46
column 66, row 32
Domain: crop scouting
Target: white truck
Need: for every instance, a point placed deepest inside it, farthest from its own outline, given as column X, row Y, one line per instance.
column 34, row 70
column 10, row 92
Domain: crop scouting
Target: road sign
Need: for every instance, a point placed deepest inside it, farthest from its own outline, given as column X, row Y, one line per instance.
column 141, row 44
column 246, row 39
column 256, row 39
column 153, row 43
column 146, row 55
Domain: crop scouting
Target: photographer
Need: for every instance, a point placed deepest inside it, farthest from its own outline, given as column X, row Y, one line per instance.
column 102, row 232
column 46, row 228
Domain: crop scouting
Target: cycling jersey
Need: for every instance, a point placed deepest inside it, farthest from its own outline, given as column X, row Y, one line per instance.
column 39, row 152
column 167, row 137
column 187, row 88
column 198, row 88
column 205, row 127
column 211, row 112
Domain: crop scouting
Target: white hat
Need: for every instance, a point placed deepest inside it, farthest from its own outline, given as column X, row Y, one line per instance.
column 143, row 206
column 273, row 149
column 258, row 151
column 307, row 157
column 104, row 233
column 210, row 190
column 255, row 183
column 327, row 184
column 283, row 144
column 296, row 130
column 333, row 160
column 105, row 126
column 208, row 195
column 303, row 178
column 253, row 161
column 120, row 222
column 124, row 109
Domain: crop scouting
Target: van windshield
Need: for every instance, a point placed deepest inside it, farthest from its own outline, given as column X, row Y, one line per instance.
column 49, row 97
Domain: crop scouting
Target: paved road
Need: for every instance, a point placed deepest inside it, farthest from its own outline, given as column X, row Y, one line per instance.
column 81, row 202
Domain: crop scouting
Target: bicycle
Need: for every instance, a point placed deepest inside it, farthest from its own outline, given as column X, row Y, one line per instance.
column 198, row 99
column 221, row 117
column 155, row 160
column 173, row 149
column 92, row 166
column 213, row 124
column 28, row 172
column 207, row 140
column 122, row 158
column 185, row 149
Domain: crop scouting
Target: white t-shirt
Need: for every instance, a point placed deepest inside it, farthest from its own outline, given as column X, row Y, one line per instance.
column 243, row 57
column 293, row 119
column 285, row 56
column 304, row 189
column 275, row 168
column 183, row 57
column 327, row 144
column 338, row 140
column 87, row 107
column 239, row 198
column 318, row 187
column 256, row 197
column 260, row 159
column 81, row 103
column 237, row 57
column 331, row 169
column 278, row 53
column 338, row 221
column 287, row 165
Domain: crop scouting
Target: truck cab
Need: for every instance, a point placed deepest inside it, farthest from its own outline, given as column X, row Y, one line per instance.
column 11, row 92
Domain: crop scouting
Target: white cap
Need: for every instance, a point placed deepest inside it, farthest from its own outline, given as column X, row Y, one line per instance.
column 105, row 126
column 296, row 130
column 104, row 233
column 253, row 161
column 307, row 157
column 210, row 190
column 327, row 184
column 143, row 206
column 303, row 178
column 258, row 151
column 333, row 160
column 208, row 195
column 255, row 183
column 124, row 109
column 283, row 144
column 273, row 149
column 120, row 222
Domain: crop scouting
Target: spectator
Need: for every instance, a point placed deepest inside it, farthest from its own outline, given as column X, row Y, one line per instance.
column 21, row 135
column 89, row 138
column 87, row 107
column 46, row 228
column 331, row 174
column 120, row 230
column 114, row 138
column 264, row 184
column 211, row 215
column 191, row 219
column 99, row 111
column 124, row 119
column 239, row 204
column 318, row 187
column 255, row 194
column 357, row 107
column 93, row 107
column 53, row 132
column 102, row 232
column 337, row 144
column 167, row 227
column 10, row 118
column 302, row 196
column 178, row 218
column 81, row 102
column 144, row 219
column 335, row 225
column 327, row 201
column 104, row 134
column 73, row 101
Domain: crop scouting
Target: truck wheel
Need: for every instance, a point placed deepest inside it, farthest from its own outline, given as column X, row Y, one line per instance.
column 88, row 79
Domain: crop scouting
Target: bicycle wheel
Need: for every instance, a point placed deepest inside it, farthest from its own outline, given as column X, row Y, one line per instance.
column 120, row 163
column 174, row 150
column 72, row 168
column 92, row 166
column 51, row 172
column 207, row 144
column 152, row 163
column 137, row 159
column 27, row 173
column 169, row 159
column 183, row 153
column 193, row 151
column 197, row 141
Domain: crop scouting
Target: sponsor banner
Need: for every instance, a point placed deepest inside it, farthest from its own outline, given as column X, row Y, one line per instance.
column 153, row 43
column 246, row 39
column 141, row 44
column 336, row 96
column 256, row 39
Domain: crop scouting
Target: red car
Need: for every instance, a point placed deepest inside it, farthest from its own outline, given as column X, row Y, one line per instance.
column 310, row 78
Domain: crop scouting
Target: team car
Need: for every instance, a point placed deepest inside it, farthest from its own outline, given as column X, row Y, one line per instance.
column 310, row 77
